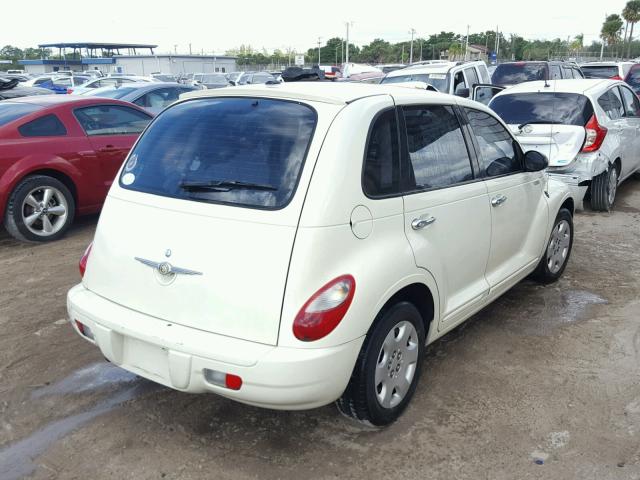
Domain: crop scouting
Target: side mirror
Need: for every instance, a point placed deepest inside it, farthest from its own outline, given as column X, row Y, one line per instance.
column 534, row 161
column 462, row 92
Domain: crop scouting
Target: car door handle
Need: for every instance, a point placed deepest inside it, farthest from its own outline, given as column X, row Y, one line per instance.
column 498, row 200
column 421, row 222
column 108, row 148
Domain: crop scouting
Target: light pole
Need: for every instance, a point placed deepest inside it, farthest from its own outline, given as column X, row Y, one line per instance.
column 466, row 47
column 319, row 39
column 348, row 24
column 412, row 32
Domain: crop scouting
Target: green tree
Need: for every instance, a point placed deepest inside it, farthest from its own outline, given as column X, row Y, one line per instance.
column 611, row 28
column 631, row 14
column 378, row 51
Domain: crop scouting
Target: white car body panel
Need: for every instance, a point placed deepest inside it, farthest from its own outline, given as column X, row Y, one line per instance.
column 259, row 267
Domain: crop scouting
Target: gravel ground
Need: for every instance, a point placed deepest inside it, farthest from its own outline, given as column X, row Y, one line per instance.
column 545, row 383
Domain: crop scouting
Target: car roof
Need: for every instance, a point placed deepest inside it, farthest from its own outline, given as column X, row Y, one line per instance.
column 605, row 64
column 337, row 93
column 581, row 86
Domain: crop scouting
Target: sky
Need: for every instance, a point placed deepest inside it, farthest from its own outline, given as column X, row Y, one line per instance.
column 216, row 26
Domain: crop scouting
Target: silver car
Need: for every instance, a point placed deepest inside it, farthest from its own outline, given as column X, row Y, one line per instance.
column 152, row 96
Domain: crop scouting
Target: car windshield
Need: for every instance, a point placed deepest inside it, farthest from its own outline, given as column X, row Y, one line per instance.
column 544, row 108
column 599, row 71
column 236, row 151
column 10, row 111
column 217, row 79
column 514, row 73
column 111, row 92
column 438, row 80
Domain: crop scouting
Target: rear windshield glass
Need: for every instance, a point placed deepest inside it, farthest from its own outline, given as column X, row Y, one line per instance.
column 599, row 71
column 544, row 108
column 514, row 73
column 238, row 151
column 10, row 111
column 438, row 80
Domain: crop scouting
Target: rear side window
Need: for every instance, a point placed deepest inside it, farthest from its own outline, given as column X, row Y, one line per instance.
column 543, row 108
column 577, row 73
column 611, row 103
column 111, row 120
column 47, row 126
column 513, row 73
column 235, row 151
column 381, row 163
column 498, row 155
column 10, row 111
column 567, row 72
column 631, row 103
column 472, row 76
column 555, row 72
column 437, row 150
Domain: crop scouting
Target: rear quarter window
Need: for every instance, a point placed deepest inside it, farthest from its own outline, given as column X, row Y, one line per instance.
column 235, row 151
column 47, row 126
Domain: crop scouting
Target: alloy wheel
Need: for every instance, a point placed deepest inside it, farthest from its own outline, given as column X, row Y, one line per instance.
column 45, row 211
column 558, row 249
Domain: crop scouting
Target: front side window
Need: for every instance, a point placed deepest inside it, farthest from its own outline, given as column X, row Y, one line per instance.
column 235, row 151
column 381, row 175
column 498, row 155
column 111, row 120
column 47, row 126
column 611, row 103
column 631, row 103
column 437, row 150
column 458, row 82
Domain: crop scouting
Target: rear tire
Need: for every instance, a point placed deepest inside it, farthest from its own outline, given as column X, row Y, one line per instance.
column 388, row 367
column 603, row 189
column 556, row 255
column 40, row 209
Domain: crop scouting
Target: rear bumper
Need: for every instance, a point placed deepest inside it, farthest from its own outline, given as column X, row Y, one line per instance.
column 577, row 184
column 175, row 356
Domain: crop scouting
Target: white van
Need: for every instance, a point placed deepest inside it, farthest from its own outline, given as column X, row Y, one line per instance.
column 291, row 245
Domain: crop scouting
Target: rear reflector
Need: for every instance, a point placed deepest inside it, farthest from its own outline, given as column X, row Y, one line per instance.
column 84, row 330
column 221, row 379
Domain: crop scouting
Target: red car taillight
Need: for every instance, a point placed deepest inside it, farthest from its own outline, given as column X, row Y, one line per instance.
column 616, row 77
column 69, row 91
column 325, row 309
column 83, row 260
column 595, row 135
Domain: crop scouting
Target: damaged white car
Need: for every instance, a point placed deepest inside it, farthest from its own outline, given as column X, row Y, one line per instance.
column 587, row 128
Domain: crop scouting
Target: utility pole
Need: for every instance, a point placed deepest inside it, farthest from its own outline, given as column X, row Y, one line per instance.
column 421, row 42
column 402, row 56
column 466, row 47
column 497, row 43
column 412, row 32
column 175, row 49
column 319, row 39
column 433, row 52
column 348, row 24
column 341, row 51
column 602, row 44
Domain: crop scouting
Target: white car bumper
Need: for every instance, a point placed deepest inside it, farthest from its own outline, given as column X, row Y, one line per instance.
column 176, row 356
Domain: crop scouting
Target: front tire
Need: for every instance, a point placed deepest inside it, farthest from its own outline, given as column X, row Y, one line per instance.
column 40, row 209
column 388, row 367
column 603, row 189
column 556, row 256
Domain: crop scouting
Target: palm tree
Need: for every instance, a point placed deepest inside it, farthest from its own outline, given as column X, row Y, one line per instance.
column 455, row 50
column 611, row 28
column 631, row 14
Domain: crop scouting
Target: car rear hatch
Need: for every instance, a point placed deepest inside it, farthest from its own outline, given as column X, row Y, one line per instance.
column 549, row 122
column 198, row 230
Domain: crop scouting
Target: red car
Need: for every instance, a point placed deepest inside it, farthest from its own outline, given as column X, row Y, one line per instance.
column 59, row 155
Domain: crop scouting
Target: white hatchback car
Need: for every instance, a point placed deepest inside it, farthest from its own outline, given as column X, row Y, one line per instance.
column 588, row 129
column 289, row 245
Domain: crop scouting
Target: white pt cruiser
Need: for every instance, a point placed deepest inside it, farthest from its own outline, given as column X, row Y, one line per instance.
column 286, row 246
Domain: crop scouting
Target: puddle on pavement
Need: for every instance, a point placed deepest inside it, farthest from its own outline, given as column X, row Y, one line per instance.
column 90, row 378
column 20, row 458
column 540, row 311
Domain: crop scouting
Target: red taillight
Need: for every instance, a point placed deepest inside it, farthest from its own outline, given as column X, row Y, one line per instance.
column 325, row 309
column 83, row 261
column 232, row 382
column 616, row 77
column 80, row 327
column 69, row 91
column 595, row 135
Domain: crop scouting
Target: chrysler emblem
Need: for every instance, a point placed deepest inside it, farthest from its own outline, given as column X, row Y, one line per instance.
column 165, row 268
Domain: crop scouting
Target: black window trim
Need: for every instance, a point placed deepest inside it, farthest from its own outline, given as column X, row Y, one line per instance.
column 151, row 117
column 294, row 191
column 517, row 146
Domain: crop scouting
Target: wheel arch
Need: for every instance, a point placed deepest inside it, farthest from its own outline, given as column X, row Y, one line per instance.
column 66, row 180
